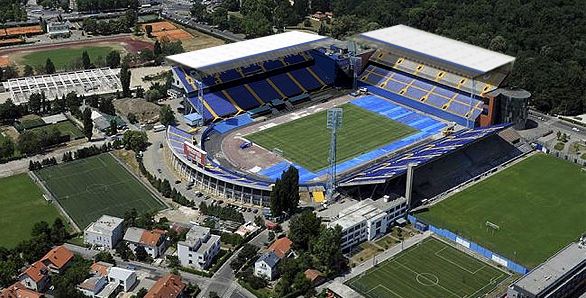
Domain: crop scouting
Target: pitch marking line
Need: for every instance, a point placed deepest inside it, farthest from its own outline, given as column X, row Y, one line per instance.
column 408, row 268
column 438, row 254
column 387, row 289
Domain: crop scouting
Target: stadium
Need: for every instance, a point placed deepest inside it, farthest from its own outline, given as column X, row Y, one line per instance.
column 259, row 106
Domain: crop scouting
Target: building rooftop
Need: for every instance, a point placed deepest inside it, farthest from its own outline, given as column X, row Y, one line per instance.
column 365, row 210
column 18, row 290
column 281, row 247
column 205, row 246
column 37, row 271
column 270, row 258
column 120, row 273
column 442, row 50
column 169, row 286
column 547, row 274
column 133, row 234
column 100, row 268
column 90, row 283
column 104, row 225
column 58, row 257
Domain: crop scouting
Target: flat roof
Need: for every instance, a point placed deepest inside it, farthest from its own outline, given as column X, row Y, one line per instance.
column 105, row 224
column 551, row 272
column 249, row 51
column 421, row 44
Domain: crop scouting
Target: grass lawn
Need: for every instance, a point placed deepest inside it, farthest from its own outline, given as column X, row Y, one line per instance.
column 22, row 205
column 91, row 187
column 305, row 141
column 429, row 269
column 63, row 57
column 539, row 205
column 65, row 127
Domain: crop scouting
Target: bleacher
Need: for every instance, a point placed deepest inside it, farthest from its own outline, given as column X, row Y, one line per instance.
column 397, row 165
column 414, row 92
column 484, row 84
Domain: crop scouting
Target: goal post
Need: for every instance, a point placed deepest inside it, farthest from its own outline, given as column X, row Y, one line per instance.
column 278, row 151
column 492, row 226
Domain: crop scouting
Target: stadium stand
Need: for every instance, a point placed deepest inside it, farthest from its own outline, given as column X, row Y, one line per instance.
column 397, row 165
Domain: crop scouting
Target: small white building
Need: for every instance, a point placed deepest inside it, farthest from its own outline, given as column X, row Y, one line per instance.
column 104, row 232
column 154, row 241
column 368, row 219
column 199, row 248
column 266, row 266
column 125, row 278
column 92, row 286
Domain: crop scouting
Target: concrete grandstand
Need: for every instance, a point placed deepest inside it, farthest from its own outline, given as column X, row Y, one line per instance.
column 259, row 84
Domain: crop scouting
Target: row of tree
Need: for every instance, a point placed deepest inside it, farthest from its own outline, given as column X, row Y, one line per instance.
column 121, row 24
column 224, row 213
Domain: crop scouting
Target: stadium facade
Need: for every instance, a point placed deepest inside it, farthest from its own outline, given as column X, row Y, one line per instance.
column 441, row 87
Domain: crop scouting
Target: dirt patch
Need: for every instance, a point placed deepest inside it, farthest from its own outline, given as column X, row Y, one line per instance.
column 146, row 112
column 199, row 40
column 4, row 61
column 160, row 26
column 173, row 35
column 10, row 131
column 17, row 31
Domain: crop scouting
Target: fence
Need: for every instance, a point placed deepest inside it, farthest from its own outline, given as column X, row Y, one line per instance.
column 575, row 158
column 469, row 245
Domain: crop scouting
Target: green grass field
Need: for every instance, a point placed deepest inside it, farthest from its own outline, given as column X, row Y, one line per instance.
column 539, row 205
column 65, row 127
column 91, row 187
column 305, row 141
column 21, row 206
column 432, row 269
column 63, row 57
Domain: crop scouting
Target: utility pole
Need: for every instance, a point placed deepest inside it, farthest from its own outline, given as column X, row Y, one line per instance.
column 333, row 124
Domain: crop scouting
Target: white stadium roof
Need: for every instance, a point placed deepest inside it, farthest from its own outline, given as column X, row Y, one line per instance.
column 246, row 52
column 446, row 52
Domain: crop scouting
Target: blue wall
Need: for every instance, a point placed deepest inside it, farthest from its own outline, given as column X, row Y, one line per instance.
column 470, row 245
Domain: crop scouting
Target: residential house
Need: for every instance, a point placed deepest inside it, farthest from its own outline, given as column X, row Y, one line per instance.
column 100, row 269
column 93, row 285
column 154, row 241
column 199, row 248
column 315, row 277
column 35, row 277
column 18, row 290
column 282, row 247
column 57, row 259
column 104, row 232
column 266, row 265
column 125, row 278
column 169, row 286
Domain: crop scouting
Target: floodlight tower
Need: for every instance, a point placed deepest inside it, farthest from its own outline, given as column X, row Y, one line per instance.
column 199, row 106
column 355, row 63
column 333, row 124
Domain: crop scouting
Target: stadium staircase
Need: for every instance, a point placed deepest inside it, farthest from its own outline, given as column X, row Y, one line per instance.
column 235, row 91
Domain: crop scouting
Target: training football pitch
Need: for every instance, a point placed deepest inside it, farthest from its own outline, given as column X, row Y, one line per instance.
column 539, row 205
column 431, row 268
column 65, row 127
column 305, row 141
column 90, row 187
column 21, row 206
column 63, row 57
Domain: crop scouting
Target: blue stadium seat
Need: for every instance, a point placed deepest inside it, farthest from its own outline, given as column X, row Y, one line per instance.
column 436, row 100
column 264, row 90
column 272, row 64
column 194, row 101
column 286, row 85
column 415, row 93
column 230, row 75
column 242, row 97
column 219, row 104
column 306, row 79
column 294, row 59
column 321, row 74
column 183, row 79
column 250, row 70
column 208, row 81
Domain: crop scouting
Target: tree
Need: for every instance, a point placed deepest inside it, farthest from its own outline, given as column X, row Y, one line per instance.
column 34, row 103
column 166, row 116
column 85, row 60
column 58, row 231
column 29, row 143
column 124, row 251
column 259, row 221
column 141, row 254
column 327, row 250
column 157, row 50
column 125, row 80
column 256, row 25
column 28, row 71
column 198, row 11
column 88, row 124
column 113, row 127
column 135, row 140
column 149, row 30
column 303, row 228
column 132, row 118
column 6, row 148
column 113, row 59
column 49, row 66
column 141, row 293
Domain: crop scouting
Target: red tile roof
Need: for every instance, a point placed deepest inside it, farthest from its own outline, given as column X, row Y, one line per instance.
column 313, row 274
column 58, row 257
column 281, row 247
column 151, row 238
column 37, row 271
column 18, row 290
column 100, row 268
column 169, row 286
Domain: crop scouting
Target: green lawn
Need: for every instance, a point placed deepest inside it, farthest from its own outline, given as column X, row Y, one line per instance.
column 539, row 205
column 63, row 57
column 305, row 141
column 22, row 205
column 65, row 127
column 432, row 269
column 91, row 187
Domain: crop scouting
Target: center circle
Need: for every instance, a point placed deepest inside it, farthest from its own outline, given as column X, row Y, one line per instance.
column 427, row 279
column 95, row 188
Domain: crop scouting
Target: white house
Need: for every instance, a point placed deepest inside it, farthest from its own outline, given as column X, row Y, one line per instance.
column 368, row 219
column 199, row 248
column 92, row 286
column 104, row 232
column 266, row 265
column 154, row 241
column 125, row 278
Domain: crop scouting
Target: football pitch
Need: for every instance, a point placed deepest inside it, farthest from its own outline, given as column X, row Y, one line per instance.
column 305, row 141
column 63, row 57
column 538, row 204
column 91, row 187
column 22, row 205
column 432, row 269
